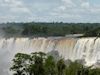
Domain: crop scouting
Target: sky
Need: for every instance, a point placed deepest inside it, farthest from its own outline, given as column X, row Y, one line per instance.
column 50, row 11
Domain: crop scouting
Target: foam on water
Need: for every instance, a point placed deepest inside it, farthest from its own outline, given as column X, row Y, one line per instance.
column 69, row 48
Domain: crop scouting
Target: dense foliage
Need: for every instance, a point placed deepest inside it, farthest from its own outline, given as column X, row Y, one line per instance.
column 52, row 29
column 93, row 32
column 39, row 63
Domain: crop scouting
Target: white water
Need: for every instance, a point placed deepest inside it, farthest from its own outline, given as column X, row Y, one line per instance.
column 69, row 48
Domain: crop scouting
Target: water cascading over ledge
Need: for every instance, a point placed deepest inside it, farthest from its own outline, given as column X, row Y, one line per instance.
column 69, row 48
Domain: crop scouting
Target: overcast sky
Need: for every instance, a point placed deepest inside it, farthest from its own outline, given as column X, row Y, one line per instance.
column 50, row 10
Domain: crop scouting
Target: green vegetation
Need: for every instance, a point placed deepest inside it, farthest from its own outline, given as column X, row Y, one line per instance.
column 39, row 63
column 93, row 32
column 58, row 29
column 52, row 29
column 10, row 30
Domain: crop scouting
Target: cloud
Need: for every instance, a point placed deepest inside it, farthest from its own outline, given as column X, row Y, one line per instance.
column 49, row 10
column 15, row 6
column 68, row 3
column 77, row 11
column 85, row 5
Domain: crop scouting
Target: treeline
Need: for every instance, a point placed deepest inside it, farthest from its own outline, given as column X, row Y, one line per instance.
column 93, row 32
column 39, row 63
column 52, row 29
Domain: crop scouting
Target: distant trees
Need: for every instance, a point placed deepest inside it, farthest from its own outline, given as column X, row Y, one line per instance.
column 93, row 32
column 61, row 29
column 10, row 30
column 39, row 63
column 34, row 30
column 52, row 29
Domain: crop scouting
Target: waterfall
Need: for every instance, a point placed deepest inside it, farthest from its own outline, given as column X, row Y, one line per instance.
column 69, row 48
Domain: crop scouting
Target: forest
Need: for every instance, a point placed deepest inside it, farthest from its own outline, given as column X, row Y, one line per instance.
column 51, row 29
column 39, row 63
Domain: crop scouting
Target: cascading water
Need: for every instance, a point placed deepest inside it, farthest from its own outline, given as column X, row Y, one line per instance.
column 69, row 48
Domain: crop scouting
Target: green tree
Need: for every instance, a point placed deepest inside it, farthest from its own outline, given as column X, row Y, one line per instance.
column 38, row 63
column 20, row 63
column 73, row 68
column 61, row 66
column 50, row 66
